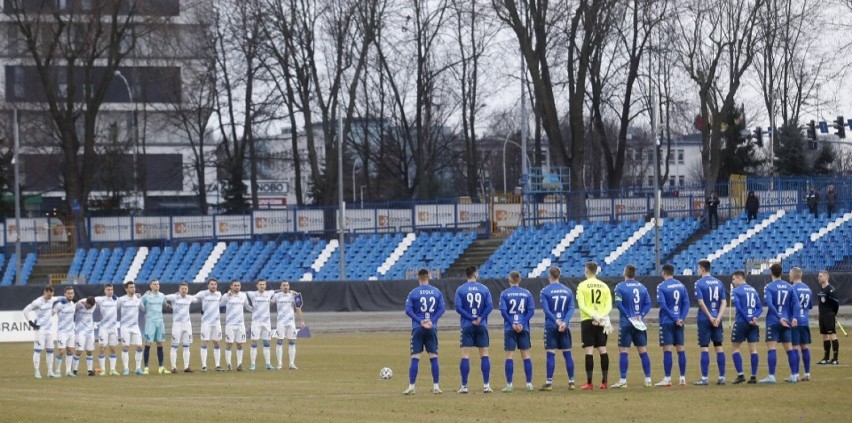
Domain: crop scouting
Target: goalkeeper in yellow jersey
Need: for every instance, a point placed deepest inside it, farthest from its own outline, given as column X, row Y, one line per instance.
column 594, row 299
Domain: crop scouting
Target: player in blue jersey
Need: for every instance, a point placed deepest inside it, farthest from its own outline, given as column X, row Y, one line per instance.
column 557, row 303
column 746, row 303
column 39, row 314
column 711, row 297
column 782, row 309
column 633, row 302
column 802, row 333
column 424, row 305
column 155, row 329
column 473, row 304
column 673, row 300
column 517, row 307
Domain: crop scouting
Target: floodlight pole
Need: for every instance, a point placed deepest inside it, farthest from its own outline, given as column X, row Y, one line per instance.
column 656, row 143
column 341, row 222
column 17, row 197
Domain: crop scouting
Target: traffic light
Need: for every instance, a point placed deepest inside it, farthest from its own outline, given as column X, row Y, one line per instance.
column 812, row 131
column 840, row 126
column 758, row 136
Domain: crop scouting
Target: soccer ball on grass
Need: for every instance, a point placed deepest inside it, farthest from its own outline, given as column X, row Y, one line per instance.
column 386, row 373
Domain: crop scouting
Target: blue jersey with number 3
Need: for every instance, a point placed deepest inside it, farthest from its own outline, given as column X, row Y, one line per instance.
column 632, row 299
column 424, row 303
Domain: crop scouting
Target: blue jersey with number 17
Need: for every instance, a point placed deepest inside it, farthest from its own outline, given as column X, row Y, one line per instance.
column 781, row 302
column 424, row 303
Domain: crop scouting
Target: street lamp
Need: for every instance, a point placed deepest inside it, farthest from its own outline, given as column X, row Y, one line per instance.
column 17, row 164
column 341, row 225
column 138, row 204
column 524, row 161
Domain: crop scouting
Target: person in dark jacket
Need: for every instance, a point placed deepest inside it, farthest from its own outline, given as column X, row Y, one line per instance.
column 752, row 205
column 713, row 210
column 813, row 202
column 830, row 200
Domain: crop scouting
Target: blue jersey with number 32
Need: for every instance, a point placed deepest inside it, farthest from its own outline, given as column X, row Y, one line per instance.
column 424, row 303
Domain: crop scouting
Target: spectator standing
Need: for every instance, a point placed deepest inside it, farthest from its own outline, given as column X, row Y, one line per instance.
column 752, row 205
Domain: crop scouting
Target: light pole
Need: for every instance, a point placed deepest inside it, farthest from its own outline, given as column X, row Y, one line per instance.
column 341, row 225
column 138, row 204
column 17, row 197
column 362, row 195
column 524, row 160
column 656, row 149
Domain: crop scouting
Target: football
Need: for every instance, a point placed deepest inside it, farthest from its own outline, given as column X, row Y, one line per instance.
column 386, row 373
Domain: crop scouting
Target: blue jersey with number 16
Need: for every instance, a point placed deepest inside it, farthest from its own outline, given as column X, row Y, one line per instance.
column 424, row 303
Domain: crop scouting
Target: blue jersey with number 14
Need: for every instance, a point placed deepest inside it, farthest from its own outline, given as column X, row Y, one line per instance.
column 424, row 303
column 712, row 292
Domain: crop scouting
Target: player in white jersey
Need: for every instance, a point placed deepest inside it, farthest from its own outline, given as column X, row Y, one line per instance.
column 65, row 332
column 261, row 323
column 129, row 306
column 107, row 329
column 181, row 325
column 211, row 323
column 235, row 324
column 39, row 314
column 288, row 303
column 85, row 337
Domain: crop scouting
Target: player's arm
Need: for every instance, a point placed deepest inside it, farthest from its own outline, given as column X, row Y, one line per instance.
column 664, row 307
column 830, row 297
column 440, row 308
column 606, row 299
column 684, row 303
column 699, row 295
column 409, row 309
column 28, row 314
column 570, row 306
column 504, row 309
column 581, row 301
column 619, row 301
column 528, row 315
column 224, row 300
column 459, row 305
column 795, row 308
column 298, row 311
column 546, row 308
column 488, row 305
column 723, row 299
column 247, row 306
column 770, row 306
column 645, row 308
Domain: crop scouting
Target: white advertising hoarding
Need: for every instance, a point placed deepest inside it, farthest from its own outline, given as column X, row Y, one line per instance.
column 14, row 327
column 273, row 221
column 360, row 219
column 435, row 215
column 395, row 219
column 309, row 221
column 151, row 228
column 111, row 228
column 39, row 229
column 192, row 227
column 233, row 226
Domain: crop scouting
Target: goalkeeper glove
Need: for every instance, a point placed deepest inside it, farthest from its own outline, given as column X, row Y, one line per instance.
column 34, row 325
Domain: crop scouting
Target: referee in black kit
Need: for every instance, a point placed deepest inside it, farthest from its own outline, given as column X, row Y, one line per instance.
column 828, row 307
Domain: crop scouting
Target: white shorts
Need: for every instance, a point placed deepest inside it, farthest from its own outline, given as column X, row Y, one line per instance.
column 85, row 341
column 261, row 330
column 131, row 336
column 286, row 331
column 108, row 337
column 235, row 334
column 65, row 339
column 211, row 332
column 182, row 333
column 43, row 339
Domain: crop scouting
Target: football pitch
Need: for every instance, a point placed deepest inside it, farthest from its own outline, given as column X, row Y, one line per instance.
column 338, row 380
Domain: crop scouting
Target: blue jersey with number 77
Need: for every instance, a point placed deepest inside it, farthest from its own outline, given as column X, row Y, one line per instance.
column 424, row 303
column 557, row 303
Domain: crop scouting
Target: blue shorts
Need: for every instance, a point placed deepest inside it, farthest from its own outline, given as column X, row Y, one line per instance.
column 555, row 340
column 474, row 336
column 155, row 331
column 514, row 340
column 745, row 332
column 628, row 335
column 778, row 333
column 801, row 335
column 708, row 333
column 671, row 334
column 422, row 338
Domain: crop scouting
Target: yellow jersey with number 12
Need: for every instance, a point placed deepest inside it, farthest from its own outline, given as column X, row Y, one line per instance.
column 593, row 297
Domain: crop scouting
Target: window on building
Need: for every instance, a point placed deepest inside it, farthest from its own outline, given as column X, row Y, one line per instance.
column 681, row 181
column 680, row 156
column 650, row 181
column 18, row 87
column 672, row 181
column 671, row 157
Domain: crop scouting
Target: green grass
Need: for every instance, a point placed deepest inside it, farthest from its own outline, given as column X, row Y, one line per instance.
column 338, row 381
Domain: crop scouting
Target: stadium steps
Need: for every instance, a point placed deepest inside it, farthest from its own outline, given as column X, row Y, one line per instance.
column 396, row 254
column 629, row 242
column 210, row 262
column 48, row 266
column 814, row 237
column 136, row 264
column 321, row 260
column 696, row 237
column 475, row 255
column 765, row 223
column 557, row 251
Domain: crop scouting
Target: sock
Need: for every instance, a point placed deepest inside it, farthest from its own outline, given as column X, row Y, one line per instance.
column 605, row 367
column 720, row 361
column 125, row 358
column 623, row 364
column 89, row 362
column 836, row 345
column 186, row 353
column 412, row 370
column 217, row 356
column 646, row 363
column 569, row 364
column 826, row 345
column 755, row 361
column 464, row 369
column 36, row 358
column 173, row 356
column 705, row 363
column 793, row 361
column 102, row 361
column 239, row 356
column 266, row 354
column 138, row 359
column 550, row 365
column 485, row 366
column 681, row 362
column 75, row 363
column 279, row 353
column 528, row 369
column 49, row 360
column 806, row 359
column 253, row 354
column 203, row 356
column 70, row 360
column 772, row 359
column 160, row 355
column 147, row 354
column 667, row 364
column 590, row 367
column 228, row 356
column 57, row 363
column 509, row 369
column 291, row 351
column 738, row 362
column 436, row 369
column 112, row 360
